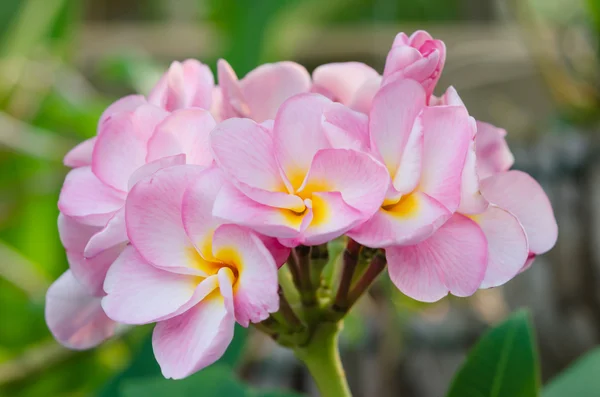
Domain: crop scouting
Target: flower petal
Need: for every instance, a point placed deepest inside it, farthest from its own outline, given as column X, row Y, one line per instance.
column 392, row 119
column 74, row 316
column 245, row 151
column 123, row 105
column 234, row 206
column 340, row 81
column 361, row 180
column 331, row 218
column 471, row 199
column 493, row 154
column 139, row 293
column 255, row 293
column 415, row 217
column 154, row 222
column 195, row 339
column 268, row 86
column 522, row 196
column 81, row 154
column 184, row 131
column 114, row 233
column 507, row 245
column 298, row 134
column 186, row 84
column 150, row 168
column 197, row 210
column 121, row 146
column 345, row 128
column 363, row 98
column 453, row 260
column 85, row 198
column 447, row 133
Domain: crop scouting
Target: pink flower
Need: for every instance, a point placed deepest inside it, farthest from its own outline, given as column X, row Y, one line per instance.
column 424, row 150
column 292, row 183
column 187, row 271
column 129, row 146
column 354, row 84
column 418, row 57
column 503, row 221
column 261, row 92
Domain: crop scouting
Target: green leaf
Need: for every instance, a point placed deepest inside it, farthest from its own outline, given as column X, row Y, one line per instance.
column 213, row 381
column 580, row 379
column 503, row 363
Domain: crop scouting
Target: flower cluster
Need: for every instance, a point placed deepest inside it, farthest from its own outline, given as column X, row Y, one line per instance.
column 184, row 206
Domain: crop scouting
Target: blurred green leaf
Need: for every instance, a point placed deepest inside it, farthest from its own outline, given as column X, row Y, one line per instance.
column 503, row 363
column 144, row 364
column 580, row 379
column 214, row 381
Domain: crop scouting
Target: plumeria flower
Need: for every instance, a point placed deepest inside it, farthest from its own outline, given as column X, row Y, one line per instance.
column 186, row 271
column 291, row 183
column 354, row 84
column 503, row 221
column 261, row 92
column 424, row 150
column 129, row 146
column 418, row 57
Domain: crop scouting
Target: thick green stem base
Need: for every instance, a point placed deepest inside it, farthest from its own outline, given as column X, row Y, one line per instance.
column 322, row 358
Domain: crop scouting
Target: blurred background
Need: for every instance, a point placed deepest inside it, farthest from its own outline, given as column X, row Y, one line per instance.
column 529, row 66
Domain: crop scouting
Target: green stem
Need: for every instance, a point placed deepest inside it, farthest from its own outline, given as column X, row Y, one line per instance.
column 322, row 357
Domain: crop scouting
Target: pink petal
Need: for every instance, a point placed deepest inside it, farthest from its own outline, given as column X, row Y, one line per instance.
column 280, row 252
column 453, row 260
column 493, row 154
column 471, row 199
column 408, row 172
column 522, row 196
column 331, row 218
column 90, row 272
column 197, row 208
column 154, row 223
column 81, row 154
column 392, row 119
column 74, row 235
column 150, row 168
column 85, row 198
column 114, row 233
column 361, row 180
column 363, row 97
column 447, row 132
column 184, row 131
column 123, row 105
column 232, row 100
column 186, row 84
column 298, row 134
column 507, row 245
column 256, row 287
column 195, row 339
column 399, row 58
column 345, row 128
column 139, row 293
column 268, row 86
column 414, row 218
column 74, row 316
column 234, row 206
column 245, row 151
column 341, row 81
column 121, row 147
